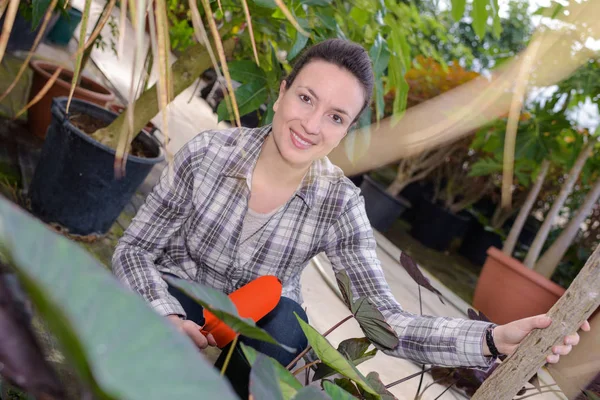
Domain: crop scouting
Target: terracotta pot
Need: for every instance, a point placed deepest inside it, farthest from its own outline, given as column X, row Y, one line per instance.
column 507, row 290
column 39, row 115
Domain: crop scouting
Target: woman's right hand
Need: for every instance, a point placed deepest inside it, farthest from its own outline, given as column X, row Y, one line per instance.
column 192, row 329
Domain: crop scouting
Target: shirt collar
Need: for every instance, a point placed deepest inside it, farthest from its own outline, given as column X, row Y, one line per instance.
column 245, row 155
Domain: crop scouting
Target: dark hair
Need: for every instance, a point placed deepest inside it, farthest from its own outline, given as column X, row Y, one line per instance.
column 345, row 54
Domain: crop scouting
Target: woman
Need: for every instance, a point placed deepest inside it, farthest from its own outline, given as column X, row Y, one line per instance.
column 249, row 202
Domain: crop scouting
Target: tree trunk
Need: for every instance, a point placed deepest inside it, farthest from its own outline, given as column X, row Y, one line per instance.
column 185, row 71
column 515, row 230
column 540, row 238
column 571, row 310
column 549, row 261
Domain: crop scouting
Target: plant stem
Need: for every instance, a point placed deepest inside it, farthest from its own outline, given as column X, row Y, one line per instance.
column 535, row 394
column 407, row 378
column 295, row 360
column 302, row 368
column 229, row 354
column 445, row 390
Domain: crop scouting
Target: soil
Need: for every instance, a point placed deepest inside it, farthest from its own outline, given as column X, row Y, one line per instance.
column 89, row 125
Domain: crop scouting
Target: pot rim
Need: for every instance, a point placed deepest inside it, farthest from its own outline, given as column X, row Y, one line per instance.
column 40, row 65
column 141, row 160
column 518, row 267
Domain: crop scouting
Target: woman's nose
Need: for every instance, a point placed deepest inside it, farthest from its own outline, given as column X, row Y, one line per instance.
column 312, row 123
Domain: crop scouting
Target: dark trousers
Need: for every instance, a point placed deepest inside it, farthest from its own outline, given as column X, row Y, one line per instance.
column 281, row 324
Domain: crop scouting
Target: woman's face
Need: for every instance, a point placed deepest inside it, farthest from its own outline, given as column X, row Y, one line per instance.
column 313, row 115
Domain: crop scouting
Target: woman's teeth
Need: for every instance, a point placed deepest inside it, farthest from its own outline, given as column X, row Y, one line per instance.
column 304, row 142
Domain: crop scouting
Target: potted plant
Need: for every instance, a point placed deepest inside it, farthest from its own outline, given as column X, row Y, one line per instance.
column 526, row 286
column 79, row 165
column 384, row 204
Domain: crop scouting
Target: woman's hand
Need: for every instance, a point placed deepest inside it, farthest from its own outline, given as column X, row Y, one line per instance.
column 508, row 337
column 192, row 329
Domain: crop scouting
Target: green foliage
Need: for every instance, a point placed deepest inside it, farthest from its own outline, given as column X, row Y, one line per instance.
column 354, row 350
column 102, row 327
column 287, row 383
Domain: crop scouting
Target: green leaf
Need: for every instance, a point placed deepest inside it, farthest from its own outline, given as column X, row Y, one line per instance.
column 380, row 55
column 353, row 350
column 375, row 381
column 268, row 117
column 359, row 16
column 266, row 4
column 298, row 46
column 249, row 98
column 336, row 392
column 330, row 356
column 479, row 15
column 497, row 23
column 458, row 9
column 288, row 384
column 263, row 380
column 104, row 329
column 245, row 71
column 591, row 395
column 379, row 100
column 319, row 3
column 39, row 8
column 343, row 281
column 485, row 166
column 223, row 308
column 348, row 386
column 374, row 325
column 311, row 393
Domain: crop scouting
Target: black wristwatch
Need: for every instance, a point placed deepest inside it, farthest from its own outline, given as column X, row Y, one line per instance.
column 489, row 339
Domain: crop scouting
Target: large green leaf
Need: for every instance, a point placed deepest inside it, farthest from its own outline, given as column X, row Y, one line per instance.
column 375, row 382
column 479, row 15
column 245, row 71
column 106, row 331
column 288, row 384
column 269, row 114
column 312, row 393
column 263, row 380
column 337, row 392
column 320, row 3
column 458, row 9
column 374, row 325
column 39, row 8
column 348, row 386
column 380, row 55
column 249, row 96
column 354, row 350
column 266, row 3
column 330, row 356
column 299, row 45
column 223, row 308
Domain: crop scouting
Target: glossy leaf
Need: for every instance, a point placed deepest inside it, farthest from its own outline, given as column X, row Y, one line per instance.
column 288, row 384
column 375, row 381
column 249, row 97
column 21, row 356
column 374, row 325
column 380, row 55
column 245, row 71
column 330, row 356
column 108, row 327
column 458, row 9
column 336, row 392
column 354, row 350
column 312, row 393
column 413, row 270
column 299, row 45
column 479, row 15
column 263, row 380
column 223, row 308
column 39, row 8
column 348, row 386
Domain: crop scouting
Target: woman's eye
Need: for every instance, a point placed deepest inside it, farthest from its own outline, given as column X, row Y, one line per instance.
column 305, row 98
column 337, row 119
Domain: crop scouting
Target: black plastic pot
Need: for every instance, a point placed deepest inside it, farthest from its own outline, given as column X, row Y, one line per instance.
column 436, row 227
column 23, row 35
column 382, row 209
column 74, row 183
column 477, row 241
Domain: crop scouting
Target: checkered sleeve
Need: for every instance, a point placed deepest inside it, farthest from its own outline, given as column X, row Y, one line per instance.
column 424, row 339
column 165, row 210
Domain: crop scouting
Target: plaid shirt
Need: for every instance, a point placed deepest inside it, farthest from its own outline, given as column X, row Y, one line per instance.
column 192, row 220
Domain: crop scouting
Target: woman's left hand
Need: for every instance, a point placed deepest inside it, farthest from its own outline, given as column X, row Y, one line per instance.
column 507, row 337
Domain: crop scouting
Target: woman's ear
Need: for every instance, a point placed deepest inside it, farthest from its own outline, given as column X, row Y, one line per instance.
column 282, row 89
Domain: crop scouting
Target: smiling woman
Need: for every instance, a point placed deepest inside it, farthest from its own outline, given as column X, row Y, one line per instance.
column 245, row 203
